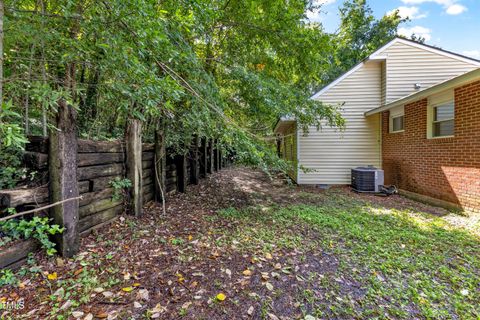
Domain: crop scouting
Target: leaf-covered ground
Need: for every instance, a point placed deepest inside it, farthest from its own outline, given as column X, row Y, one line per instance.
column 240, row 246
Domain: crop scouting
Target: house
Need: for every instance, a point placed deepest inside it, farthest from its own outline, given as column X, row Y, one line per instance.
column 417, row 142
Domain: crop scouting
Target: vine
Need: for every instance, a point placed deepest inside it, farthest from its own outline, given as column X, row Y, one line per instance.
column 38, row 228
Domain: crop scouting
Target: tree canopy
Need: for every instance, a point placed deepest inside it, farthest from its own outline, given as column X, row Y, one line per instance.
column 222, row 68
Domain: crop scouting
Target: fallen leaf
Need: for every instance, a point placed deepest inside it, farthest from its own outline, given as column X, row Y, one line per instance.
column 247, row 272
column 66, row 305
column 268, row 256
column 88, row 317
column 77, row 272
column 52, row 276
column 98, row 290
column 273, row 317
column 136, row 284
column 77, row 314
column 60, row 262
column 101, row 315
column 143, row 295
column 221, row 297
column 186, row 305
column 228, row 272
column 127, row 289
column 158, row 309
column 250, row 310
column 269, row 286
column 107, row 294
column 137, row 305
column 59, row 293
column 180, row 277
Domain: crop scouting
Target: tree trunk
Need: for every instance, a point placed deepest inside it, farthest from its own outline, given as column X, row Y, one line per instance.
column 1, row 52
column 44, row 71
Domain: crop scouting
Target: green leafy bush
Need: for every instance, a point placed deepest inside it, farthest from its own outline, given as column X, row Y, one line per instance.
column 7, row 277
column 120, row 186
column 12, row 141
column 36, row 228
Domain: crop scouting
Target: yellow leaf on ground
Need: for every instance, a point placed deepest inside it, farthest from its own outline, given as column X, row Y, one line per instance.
column 127, row 289
column 136, row 284
column 190, row 238
column 268, row 256
column 52, row 276
column 221, row 297
column 180, row 277
column 247, row 272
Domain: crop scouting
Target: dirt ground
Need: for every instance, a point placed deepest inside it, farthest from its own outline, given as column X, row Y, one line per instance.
column 191, row 263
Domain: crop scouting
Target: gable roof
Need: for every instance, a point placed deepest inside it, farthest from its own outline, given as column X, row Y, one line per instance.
column 452, row 83
column 377, row 56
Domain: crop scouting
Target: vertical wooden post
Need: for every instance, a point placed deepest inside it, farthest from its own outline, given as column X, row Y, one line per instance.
column 215, row 156
column 134, row 165
column 279, row 147
column 63, row 184
column 194, row 159
column 203, row 158
column 181, row 164
column 161, row 161
column 210, row 156
column 220, row 159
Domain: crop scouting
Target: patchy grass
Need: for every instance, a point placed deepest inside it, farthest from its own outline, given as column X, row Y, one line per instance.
column 391, row 263
column 240, row 246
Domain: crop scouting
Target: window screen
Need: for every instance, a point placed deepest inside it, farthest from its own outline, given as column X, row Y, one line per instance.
column 443, row 120
column 397, row 123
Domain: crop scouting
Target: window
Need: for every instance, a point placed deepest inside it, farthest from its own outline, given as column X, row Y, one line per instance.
column 443, row 120
column 397, row 120
column 441, row 115
column 397, row 123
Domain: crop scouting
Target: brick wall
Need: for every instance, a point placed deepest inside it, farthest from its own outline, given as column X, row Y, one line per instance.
column 444, row 168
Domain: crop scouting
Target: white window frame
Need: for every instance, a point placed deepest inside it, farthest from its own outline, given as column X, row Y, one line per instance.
column 436, row 101
column 396, row 113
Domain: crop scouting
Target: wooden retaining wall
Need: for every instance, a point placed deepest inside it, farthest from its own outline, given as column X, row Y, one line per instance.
column 99, row 163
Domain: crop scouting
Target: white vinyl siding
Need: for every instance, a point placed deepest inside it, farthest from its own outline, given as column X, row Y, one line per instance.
column 407, row 65
column 329, row 154
column 384, row 82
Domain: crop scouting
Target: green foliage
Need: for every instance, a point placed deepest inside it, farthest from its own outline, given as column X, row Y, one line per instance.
column 7, row 277
column 12, row 141
column 360, row 34
column 216, row 68
column 37, row 228
column 11, row 134
column 120, row 187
